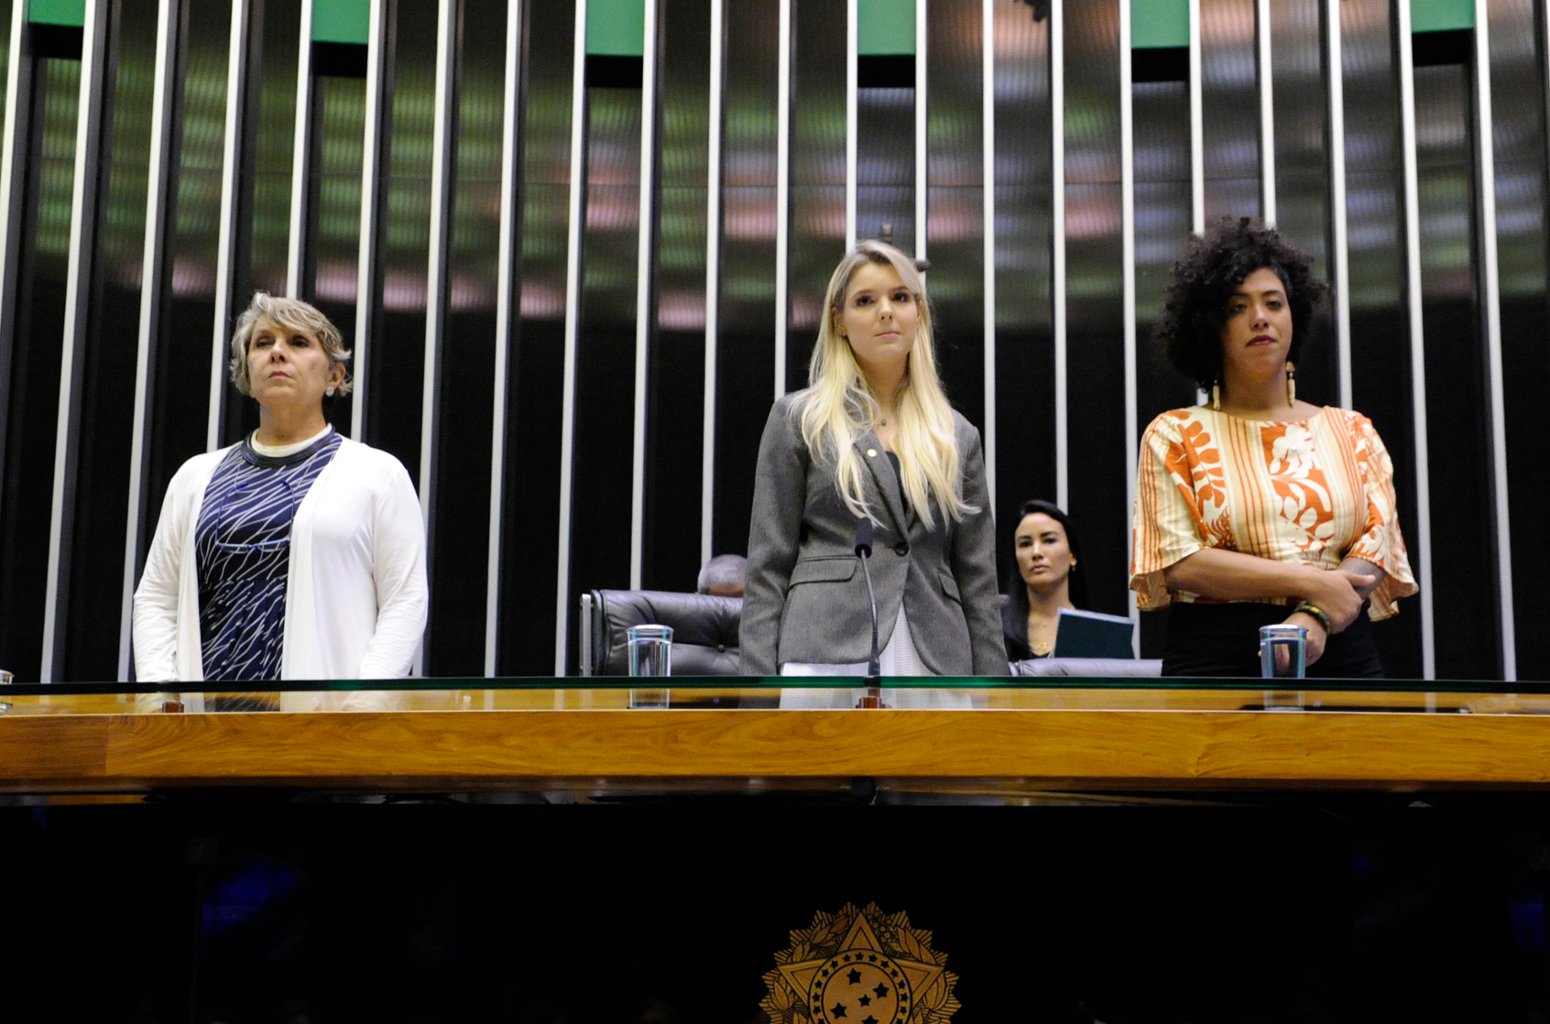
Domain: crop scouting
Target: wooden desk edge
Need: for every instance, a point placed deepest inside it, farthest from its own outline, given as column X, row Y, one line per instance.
column 1004, row 750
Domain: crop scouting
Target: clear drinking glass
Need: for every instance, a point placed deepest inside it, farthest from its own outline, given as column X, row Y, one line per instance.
column 1283, row 651
column 650, row 654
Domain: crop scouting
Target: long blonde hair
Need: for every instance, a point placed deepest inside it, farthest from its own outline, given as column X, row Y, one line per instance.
column 838, row 404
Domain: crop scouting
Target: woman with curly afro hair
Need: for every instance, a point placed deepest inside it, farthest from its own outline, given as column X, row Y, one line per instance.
column 1259, row 507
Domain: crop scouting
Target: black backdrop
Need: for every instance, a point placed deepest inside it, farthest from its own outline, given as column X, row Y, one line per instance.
column 253, row 908
column 84, row 546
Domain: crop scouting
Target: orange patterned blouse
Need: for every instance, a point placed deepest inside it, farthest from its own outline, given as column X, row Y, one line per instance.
column 1316, row 491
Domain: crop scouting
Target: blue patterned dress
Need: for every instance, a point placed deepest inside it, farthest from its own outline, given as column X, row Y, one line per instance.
column 243, row 546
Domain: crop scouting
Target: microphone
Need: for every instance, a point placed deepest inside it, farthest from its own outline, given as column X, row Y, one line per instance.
column 864, row 532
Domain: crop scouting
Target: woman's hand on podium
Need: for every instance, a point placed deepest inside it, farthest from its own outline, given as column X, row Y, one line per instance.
column 1338, row 592
column 1317, row 635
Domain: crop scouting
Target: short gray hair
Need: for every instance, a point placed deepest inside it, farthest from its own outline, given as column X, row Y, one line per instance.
column 723, row 574
column 294, row 315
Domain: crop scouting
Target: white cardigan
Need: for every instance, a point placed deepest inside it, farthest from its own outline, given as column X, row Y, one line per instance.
column 356, row 594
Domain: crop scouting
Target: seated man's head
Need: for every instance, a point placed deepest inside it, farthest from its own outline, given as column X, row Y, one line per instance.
column 723, row 576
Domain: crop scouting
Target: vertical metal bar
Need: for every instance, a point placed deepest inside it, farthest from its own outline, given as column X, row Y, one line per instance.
column 1057, row 95
column 1491, row 287
column 301, row 157
column 1127, row 202
column 151, row 277
column 712, row 276
column 226, row 243
column 1267, row 124
column 585, row 625
column 644, row 268
column 782, row 196
column 988, row 159
column 442, row 170
column 922, row 167
column 1423, row 486
column 852, row 45
column 578, row 181
column 371, row 193
column 506, row 316
column 1339, row 248
column 1197, row 164
column 83, row 230
column 13, row 182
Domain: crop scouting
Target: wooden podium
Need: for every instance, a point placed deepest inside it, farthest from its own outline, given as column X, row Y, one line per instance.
column 1015, row 739
column 534, row 852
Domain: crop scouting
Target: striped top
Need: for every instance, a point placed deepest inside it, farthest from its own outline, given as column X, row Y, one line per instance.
column 243, row 546
column 1315, row 491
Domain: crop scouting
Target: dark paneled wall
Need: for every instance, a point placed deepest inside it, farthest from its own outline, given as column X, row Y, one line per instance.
column 532, row 377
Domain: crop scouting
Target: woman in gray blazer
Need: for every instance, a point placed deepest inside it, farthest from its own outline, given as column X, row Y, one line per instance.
column 872, row 436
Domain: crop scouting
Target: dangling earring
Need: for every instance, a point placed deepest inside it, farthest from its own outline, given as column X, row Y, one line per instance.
column 1216, row 395
column 1291, row 384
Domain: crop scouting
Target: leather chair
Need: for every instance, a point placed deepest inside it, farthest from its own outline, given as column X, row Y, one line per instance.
column 704, row 630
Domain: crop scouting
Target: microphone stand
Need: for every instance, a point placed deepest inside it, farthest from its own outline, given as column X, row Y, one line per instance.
column 873, row 698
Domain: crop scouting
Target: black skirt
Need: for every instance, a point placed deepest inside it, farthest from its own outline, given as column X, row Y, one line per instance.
column 1223, row 640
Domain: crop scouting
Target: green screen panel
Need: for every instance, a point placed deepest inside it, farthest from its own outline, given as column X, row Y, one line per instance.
column 341, row 21
column 616, row 28
column 57, row 12
column 1441, row 15
column 885, row 28
column 1159, row 24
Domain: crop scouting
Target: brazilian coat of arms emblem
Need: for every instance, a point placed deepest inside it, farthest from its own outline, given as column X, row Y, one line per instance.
column 860, row 967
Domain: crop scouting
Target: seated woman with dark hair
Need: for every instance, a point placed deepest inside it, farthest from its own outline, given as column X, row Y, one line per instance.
column 1044, row 580
column 1260, row 508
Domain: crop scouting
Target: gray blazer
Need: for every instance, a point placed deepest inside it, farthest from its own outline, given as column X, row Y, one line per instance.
column 806, row 598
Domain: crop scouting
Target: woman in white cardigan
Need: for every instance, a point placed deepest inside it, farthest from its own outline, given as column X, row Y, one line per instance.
column 295, row 554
